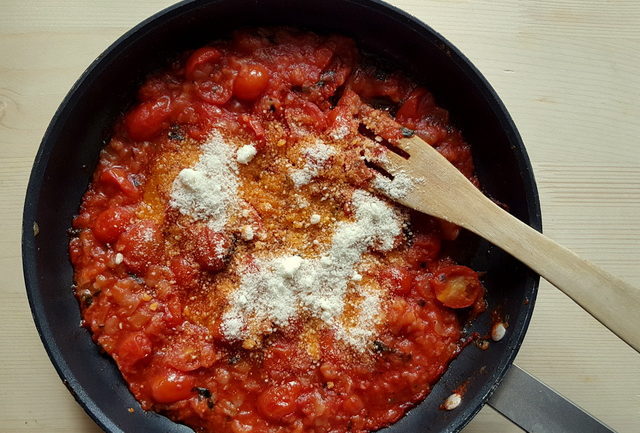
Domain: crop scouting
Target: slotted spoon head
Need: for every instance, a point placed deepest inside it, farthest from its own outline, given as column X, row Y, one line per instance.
column 427, row 182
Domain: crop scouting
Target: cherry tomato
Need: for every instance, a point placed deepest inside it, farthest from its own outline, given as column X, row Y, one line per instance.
column 140, row 245
column 119, row 178
column 170, row 386
column 416, row 105
column 251, row 81
column 300, row 112
column 111, row 222
column 211, row 249
column 133, row 348
column 184, row 272
column 352, row 404
column 457, row 286
column 398, row 280
column 149, row 118
column 218, row 87
column 199, row 64
column 279, row 401
column 423, row 286
column 425, row 248
column 254, row 125
column 449, row 231
column 173, row 312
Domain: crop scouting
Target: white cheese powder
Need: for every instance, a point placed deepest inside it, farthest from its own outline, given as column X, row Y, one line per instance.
column 247, row 232
column 209, row 190
column 283, row 286
column 316, row 157
column 246, row 153
column 397, row 188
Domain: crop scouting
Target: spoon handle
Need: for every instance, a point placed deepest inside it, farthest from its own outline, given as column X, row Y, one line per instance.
column 610, row 300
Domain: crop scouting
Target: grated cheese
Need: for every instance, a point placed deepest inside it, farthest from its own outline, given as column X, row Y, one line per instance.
column 247, row 233
column 246, row 153
column 498, row 331
column 316, row 157
column 395, row 188
column 208, row 190
column 285, row 285
column 453, row 401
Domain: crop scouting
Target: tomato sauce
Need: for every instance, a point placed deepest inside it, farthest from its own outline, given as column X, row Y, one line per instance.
column 154, row 283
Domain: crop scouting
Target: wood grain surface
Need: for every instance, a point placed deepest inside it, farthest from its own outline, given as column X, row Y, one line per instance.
column 568, row 72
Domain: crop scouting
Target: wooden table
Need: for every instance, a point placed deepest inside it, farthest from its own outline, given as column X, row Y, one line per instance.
column 567, row 70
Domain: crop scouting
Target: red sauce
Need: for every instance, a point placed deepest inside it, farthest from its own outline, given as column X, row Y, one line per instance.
column 150, row 281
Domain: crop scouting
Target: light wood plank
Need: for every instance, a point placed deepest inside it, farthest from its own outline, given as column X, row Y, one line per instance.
column 567, row 70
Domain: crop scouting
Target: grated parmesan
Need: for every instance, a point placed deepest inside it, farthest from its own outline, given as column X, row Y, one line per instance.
column 208, row 190
column 316, row 157
column 246, row 153
column 283, row 286
column 247, row 232
column 395, row 188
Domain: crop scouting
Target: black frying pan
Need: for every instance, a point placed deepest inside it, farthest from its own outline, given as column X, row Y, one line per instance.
column 69, row 152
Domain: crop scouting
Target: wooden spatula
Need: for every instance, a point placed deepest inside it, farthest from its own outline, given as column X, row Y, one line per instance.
column 439, row 189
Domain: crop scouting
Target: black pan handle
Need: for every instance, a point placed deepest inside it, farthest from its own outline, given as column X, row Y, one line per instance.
column 536, row 408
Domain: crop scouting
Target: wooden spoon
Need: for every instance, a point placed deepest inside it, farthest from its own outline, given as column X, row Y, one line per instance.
column 439, row 189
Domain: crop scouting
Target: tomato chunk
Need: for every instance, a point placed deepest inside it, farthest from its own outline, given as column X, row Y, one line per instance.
column 399, row 280
column 417, row 104
column 119, row 178
column 171, row 387
column 140, row 245
column 279, row 401
column 457, row 286
column 425, row 248
column 111, row 223
column 184, row 272
column 211, row 249
column 133, row 348
column 149, row 118
column 199, row 63
column 251, row 81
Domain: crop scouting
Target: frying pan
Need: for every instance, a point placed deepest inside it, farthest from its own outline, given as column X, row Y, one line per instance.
column 69, row 152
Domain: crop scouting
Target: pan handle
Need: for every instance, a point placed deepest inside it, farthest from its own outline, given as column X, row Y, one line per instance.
column 536, row 408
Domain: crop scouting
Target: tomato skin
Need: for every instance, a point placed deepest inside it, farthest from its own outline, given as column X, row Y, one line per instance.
column 279, row 401
column 184, row 272
column 149, row 118
column 171, row 387
column 218, row 88
column 301, row 112
column 133, row 348
column 195, row 67
column 425, row 248
column 211, row 249
column 399, row 280
column 457, row 286
column 111, row 223
column 449, row 231
column 140, row 245
column 118, row 177
column 251, row 81
column 416, row 105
